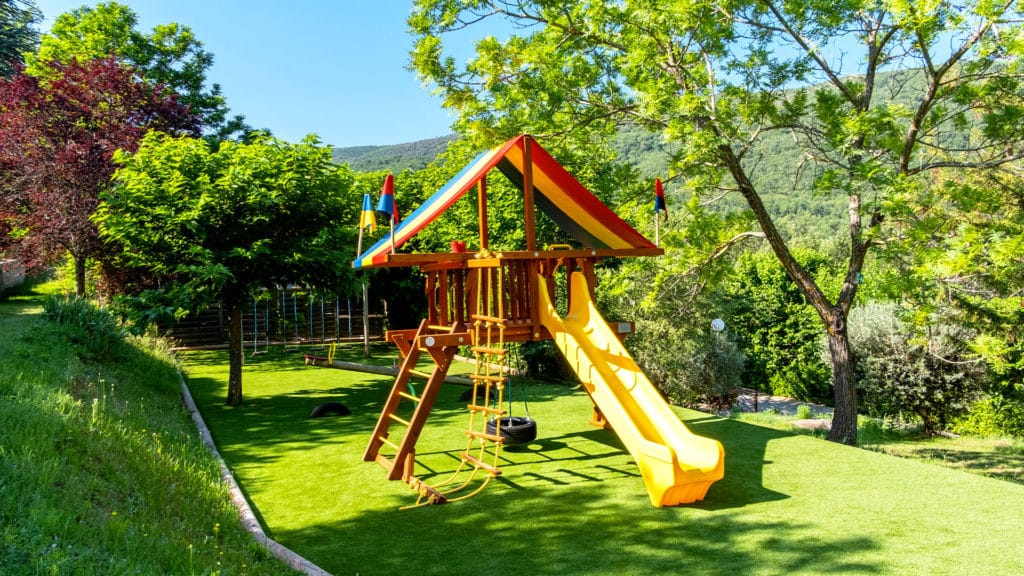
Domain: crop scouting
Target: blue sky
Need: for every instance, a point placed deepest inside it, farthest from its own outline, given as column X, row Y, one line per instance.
column 336, row 68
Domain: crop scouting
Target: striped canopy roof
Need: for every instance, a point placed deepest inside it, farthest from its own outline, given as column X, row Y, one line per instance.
column 556, row 193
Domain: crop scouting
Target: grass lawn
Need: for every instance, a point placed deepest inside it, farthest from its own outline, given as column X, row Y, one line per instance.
column 995, row 457
column 101, row 469
column 573, row 502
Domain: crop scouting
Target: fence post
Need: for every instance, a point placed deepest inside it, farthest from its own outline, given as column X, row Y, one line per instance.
column 366, row 320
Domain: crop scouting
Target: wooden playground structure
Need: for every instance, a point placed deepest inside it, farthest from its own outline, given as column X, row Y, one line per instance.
column 485, row 300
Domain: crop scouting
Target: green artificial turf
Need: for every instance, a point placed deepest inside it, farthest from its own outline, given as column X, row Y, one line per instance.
column 573, row 501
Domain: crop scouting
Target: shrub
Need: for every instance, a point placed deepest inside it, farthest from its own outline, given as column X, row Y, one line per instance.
column 544, row 361
column 93, row 330
column 900, row 373
column 691, row 367
column 993, row 416
column 777, row 330
column 803, row 412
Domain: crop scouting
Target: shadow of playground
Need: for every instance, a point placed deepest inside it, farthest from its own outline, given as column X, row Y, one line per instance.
column 577, row 534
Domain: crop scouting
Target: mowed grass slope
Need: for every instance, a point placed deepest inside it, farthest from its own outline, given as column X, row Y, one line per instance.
column 573, row 502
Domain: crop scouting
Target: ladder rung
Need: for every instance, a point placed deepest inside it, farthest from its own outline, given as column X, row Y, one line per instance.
column 477, row 408
column 487, row 377
column 388, row 442
column 486, row 318
column 492, row 437
column 398, row 419
column 476, row 462
column 419, row 373
column 421, row 486
column 383, row 461
column 439, row 328
column 408, row 396
column 492, row 351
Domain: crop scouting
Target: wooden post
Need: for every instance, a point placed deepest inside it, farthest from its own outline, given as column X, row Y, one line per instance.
column 528, row 209
column 366, row 319
column 391, row 220
column 481, row 210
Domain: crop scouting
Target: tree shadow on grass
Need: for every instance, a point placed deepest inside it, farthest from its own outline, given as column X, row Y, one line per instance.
column 285, row 418
column 1006, row 464
column 562, row 530
column 243, row 433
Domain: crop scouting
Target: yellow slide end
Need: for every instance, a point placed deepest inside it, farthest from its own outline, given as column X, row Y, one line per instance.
column 677, row 465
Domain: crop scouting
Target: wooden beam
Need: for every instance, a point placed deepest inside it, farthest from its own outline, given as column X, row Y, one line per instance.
column 528, row 208
column 481, row 210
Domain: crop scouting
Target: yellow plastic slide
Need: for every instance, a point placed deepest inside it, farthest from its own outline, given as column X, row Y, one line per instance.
column 677, row 465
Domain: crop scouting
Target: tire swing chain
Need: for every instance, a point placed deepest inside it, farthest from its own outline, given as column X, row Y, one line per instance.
column 483, row 375
column 522, row 388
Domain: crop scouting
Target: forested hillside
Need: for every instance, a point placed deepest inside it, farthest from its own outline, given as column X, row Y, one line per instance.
column 393, row 158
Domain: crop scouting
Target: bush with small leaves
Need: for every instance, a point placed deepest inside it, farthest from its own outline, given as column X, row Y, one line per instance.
column 901, row 373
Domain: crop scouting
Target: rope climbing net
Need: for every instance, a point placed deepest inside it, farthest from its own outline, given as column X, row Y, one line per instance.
column 483, row 449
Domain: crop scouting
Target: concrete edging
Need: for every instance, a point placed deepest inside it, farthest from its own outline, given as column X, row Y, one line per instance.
column 249, row 521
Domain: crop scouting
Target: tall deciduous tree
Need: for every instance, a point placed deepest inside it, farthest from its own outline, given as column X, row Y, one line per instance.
column 222, row 224
column 714, row 77
column 57, row 144
column 169, row 55
column 17, row 34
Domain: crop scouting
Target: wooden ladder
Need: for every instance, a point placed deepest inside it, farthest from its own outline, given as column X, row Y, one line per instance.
column 440, row 343
column 482, row 445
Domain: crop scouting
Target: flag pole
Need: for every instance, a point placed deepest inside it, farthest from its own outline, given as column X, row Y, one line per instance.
column 657, row 229
column 359, row 244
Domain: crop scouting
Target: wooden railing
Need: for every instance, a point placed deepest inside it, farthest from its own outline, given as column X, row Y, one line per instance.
column 500, row 286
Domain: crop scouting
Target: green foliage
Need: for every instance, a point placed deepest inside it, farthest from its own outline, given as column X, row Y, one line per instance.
column 931, row 376
column 803, row 411
column 962, row 264
column 544, row 361
column 775, row 327
column 94, row 330
column 222, row 223
column 673, row 341
column 709, row 371
column 993, row 416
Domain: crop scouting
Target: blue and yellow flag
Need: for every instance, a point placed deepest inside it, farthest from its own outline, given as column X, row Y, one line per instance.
column 367, row 217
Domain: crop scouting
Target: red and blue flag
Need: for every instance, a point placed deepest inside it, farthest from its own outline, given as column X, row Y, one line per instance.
column 386, row 204
column 659, row 198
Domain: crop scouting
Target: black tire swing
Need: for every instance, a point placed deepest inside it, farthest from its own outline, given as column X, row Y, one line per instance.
column 516, row 430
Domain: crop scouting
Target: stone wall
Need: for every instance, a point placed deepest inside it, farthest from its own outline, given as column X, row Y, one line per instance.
column 12, row 273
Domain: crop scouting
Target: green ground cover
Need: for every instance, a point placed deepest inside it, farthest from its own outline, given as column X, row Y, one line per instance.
column 996, row 457
column 101, row 469
column 573, row 502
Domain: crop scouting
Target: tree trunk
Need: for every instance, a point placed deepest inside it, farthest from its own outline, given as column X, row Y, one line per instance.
column 80, row 275
column 234, row 352
column 844, row 421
